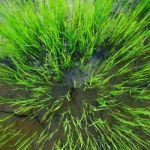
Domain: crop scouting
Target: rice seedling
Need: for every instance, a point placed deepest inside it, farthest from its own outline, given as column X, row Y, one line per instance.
column 78, row 69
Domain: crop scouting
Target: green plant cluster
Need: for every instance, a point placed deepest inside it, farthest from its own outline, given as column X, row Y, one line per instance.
column 77, row 45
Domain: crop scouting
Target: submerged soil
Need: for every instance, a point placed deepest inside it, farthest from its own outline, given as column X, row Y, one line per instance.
column 22, row 122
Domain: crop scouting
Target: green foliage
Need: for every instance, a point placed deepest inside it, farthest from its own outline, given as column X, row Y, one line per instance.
column 83, row 45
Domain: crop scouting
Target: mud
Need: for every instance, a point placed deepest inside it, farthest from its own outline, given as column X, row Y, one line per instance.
column 22, row 122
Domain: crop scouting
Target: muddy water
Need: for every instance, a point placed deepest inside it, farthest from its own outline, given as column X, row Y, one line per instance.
column 75, row 104
column 30, row 126
column 20, row 122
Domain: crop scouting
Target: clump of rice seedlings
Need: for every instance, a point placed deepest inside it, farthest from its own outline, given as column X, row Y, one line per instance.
column 80, row 69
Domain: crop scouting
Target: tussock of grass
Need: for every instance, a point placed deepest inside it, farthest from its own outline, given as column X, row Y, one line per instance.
column 85, row 45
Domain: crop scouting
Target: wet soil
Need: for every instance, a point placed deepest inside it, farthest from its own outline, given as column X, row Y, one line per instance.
column 22, row 122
